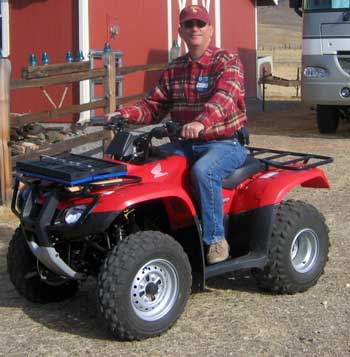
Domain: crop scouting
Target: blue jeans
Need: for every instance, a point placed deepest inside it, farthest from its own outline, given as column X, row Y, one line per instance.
column 210, row 161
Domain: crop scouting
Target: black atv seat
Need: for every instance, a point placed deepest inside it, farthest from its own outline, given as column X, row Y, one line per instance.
column 250, row 167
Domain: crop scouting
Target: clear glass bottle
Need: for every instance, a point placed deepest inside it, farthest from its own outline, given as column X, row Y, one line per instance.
column 175, row 50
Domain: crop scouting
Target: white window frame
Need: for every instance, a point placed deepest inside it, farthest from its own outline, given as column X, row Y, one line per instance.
column 5, row 28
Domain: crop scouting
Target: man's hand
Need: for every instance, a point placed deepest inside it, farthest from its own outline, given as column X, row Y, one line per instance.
column 192, row 130
column 109, row 116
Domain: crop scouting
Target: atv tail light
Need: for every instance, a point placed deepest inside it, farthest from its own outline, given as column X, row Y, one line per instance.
column 315, row 72
column 73, row 214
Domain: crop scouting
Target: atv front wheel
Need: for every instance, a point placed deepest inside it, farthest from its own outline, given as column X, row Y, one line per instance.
column 144, row 285
column 22, row 267
column 298, row 249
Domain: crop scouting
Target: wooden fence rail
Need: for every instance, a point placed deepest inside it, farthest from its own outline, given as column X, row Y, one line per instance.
column 55, row 74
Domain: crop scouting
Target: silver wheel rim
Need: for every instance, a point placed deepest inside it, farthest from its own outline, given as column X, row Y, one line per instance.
column 304, row 250
column 154, row 290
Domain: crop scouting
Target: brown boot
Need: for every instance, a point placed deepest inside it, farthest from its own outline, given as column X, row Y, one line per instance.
column 218, row 252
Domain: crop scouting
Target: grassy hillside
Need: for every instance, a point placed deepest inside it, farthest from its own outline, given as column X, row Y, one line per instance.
column 278, row 26
column 280, row 36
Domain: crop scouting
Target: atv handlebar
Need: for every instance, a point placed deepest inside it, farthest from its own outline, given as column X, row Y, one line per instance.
column 116, row 123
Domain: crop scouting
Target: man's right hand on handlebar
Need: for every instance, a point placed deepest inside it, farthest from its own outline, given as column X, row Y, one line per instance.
column 109, row 116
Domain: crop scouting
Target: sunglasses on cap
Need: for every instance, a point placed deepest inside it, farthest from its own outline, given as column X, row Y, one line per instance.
column 191, row 23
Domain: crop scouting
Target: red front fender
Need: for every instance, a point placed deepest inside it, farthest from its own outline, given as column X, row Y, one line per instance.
column 270, row 187
column 178, row 204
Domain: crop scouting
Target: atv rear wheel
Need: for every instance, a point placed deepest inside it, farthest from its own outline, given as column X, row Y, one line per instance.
column 22, row 267
column 298, row 249
column 144, row 285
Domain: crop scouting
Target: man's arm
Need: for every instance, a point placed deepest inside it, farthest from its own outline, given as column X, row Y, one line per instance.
column 151, row 109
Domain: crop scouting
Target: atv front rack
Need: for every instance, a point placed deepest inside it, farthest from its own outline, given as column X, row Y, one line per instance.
column 288, row 160
column 71, row 169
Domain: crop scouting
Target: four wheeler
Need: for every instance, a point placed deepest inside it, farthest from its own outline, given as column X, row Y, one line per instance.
column 131, row 220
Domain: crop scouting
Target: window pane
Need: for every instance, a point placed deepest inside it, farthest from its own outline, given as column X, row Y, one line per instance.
column 326, row 4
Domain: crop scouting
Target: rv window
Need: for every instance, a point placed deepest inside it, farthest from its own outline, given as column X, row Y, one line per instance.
column 326, row 4
column 0, row 30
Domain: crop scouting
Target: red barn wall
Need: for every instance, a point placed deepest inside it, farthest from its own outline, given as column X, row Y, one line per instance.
column 238, row 32
column 143, row 34
column 35, row 27
column 142, row 38
column 52, row 26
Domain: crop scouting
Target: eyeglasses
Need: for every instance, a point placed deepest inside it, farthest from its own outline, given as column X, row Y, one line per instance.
column 191, row 23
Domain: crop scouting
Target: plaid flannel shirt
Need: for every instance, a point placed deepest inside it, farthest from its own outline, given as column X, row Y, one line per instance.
column 209, row 90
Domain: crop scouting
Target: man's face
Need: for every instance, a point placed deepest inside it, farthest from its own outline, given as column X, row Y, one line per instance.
column 196, row 34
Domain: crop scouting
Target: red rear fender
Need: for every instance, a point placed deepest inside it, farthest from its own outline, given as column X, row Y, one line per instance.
column 271, row 187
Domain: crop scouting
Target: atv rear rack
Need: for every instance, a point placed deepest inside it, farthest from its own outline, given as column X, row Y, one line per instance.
column 288, row 160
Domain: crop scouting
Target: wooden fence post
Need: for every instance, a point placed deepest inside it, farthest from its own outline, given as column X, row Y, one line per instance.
column 5, row 153
column 109, row 84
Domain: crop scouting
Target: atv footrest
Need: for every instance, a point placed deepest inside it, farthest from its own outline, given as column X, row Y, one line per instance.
column 246, row 262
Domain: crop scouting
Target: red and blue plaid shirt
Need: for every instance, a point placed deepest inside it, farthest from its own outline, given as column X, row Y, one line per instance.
column 209, row 90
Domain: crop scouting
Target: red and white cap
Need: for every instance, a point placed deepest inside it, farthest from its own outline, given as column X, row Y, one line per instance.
column 194, row 12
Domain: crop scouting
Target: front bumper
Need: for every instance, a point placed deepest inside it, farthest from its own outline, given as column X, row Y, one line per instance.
column 37, row 222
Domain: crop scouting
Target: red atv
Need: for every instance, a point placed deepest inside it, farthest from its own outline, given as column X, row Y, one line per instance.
column 132, row 221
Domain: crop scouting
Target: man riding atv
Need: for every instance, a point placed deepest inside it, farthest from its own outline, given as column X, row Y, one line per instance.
column 204, row 91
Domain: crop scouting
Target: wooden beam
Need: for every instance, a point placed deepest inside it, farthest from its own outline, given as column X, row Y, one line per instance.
column 19, row 121
column 54, row 69
column 130, row 98
column 59, row 79
column 5, row 153
column 144, row 67
column 109, row 82
column 278, row 81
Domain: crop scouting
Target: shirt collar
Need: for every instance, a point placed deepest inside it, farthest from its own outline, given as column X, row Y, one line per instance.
column 204, row 60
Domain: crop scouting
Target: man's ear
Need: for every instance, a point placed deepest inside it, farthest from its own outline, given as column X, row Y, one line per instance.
column 180, row 31
column 211, row 29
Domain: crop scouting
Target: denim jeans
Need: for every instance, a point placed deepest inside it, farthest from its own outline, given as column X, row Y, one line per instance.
column 210, row 161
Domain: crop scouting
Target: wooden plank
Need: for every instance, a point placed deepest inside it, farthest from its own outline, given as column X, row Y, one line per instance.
column 67, row 145
column 54, row 69
column 145, row 67
column 109, row 82
column 19, row 121
column 278, row 81
column 130, row 98
column 109, row 85
column 5, row 153
column 59, row 79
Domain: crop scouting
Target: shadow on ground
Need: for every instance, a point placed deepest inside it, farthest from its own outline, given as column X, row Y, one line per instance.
column 79, row 315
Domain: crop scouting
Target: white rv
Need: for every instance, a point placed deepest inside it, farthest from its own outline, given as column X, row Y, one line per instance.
column 326, row 59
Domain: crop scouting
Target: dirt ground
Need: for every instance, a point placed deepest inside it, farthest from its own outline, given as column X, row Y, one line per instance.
column 232, row 317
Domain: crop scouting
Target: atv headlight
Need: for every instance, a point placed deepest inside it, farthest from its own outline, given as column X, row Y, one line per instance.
column 73, row 214
column 22, row 197
column 315, row 72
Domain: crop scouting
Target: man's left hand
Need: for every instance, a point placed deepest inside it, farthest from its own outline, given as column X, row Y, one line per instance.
column 192, row 130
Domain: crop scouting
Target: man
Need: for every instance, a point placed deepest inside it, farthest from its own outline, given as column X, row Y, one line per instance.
column 204, row 91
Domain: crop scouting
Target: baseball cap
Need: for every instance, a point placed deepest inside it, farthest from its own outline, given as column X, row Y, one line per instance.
column 194, row 12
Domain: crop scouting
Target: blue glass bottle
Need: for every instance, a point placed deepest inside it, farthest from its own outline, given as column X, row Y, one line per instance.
column 32, row 60
column 45, row 58
column 107, row 48
column 69, row 56
column 80, row 56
